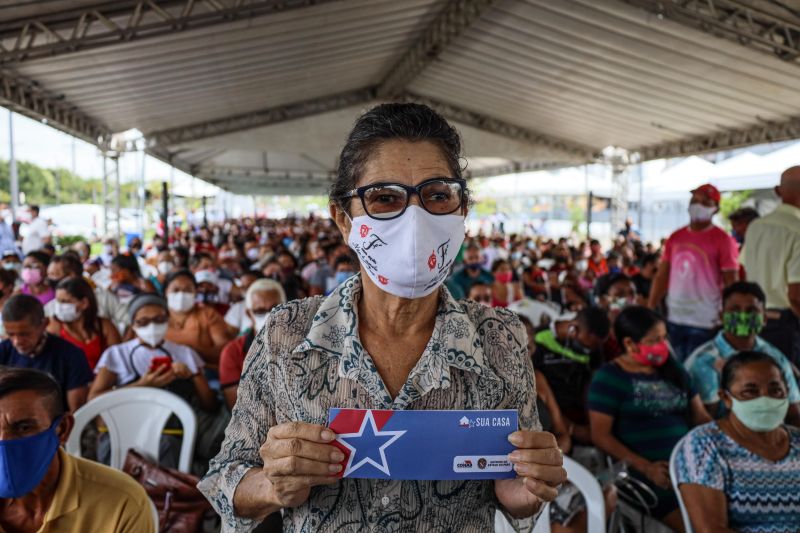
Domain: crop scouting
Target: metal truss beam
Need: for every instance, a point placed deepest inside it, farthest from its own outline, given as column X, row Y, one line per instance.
column 576, row 153
column 258, row 174
column 27, row 97
column 735, row 20
column 264, row 117
column 453, row 21
column 724, row 140
column 513, row 168
column 109, row 23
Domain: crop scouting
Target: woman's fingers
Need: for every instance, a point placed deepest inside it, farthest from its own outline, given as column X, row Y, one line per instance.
column 540, row 489
column 552, row 475
column 298, row 466
column 295, row 447
column 301, row 430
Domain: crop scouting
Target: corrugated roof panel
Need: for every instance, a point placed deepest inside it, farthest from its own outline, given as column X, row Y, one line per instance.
column 601, row 72
column 230, row 69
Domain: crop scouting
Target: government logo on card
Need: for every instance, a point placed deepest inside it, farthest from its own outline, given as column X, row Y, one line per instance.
column 482, row 463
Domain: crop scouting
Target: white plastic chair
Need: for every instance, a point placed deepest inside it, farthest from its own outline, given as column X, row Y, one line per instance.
column 592, row 493
column 135, row 417
column 673, row 476
column 154, row 513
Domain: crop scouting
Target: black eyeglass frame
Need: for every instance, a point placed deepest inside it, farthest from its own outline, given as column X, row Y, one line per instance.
column 361, row 191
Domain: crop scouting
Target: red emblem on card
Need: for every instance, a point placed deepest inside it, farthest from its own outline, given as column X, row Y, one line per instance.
column 364, row 230
column 432, row 261
column 383, row 280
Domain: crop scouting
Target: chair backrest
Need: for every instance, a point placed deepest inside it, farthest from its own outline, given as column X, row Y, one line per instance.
column 592, row 493
column 135, row 417
column 673, row 476
column 156, row 518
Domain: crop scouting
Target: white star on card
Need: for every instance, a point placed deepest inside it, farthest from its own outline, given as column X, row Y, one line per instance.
column 383, row 467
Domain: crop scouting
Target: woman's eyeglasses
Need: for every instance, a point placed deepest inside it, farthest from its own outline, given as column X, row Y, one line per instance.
column 385, row 201
column 144, row 322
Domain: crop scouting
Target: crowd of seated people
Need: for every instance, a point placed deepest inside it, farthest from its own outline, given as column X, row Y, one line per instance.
column 608, row 375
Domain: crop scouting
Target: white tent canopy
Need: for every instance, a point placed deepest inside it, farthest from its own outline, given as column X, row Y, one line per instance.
column 257, row 96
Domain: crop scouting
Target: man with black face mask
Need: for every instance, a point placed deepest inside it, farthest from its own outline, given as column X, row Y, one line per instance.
column 472, row 272
column 566, row 353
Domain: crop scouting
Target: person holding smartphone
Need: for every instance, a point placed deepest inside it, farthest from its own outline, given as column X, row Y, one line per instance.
column 148, row 360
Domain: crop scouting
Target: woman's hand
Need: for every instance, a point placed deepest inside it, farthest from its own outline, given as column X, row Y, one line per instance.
column 159, row 378
column 298, row 456
column 658, row 473
column 181, row 371
column 538, row 463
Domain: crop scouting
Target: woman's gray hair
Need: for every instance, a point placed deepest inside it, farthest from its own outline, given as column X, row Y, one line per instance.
column 263, row 285
column 400, row 121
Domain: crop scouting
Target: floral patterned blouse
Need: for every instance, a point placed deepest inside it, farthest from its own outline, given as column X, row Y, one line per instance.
column 308, row 359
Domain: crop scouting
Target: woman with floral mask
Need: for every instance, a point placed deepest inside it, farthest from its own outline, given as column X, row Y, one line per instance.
column 76, row 320
column 390, row 337
column 192, row 323
column 642, row 403
column 742, row 473
column 34, row 277
column 505, row 290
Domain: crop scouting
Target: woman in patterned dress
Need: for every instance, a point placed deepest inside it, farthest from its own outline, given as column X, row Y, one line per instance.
column 390, row 337
column 742, row 472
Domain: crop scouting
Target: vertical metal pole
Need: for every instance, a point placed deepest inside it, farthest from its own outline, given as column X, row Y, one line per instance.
column 165, row 209
column 589, row 202
column 12, row 168
column 205, row 214
column 105, row 196
column 142, row 196
column 58, row 187
column 117, row 199
column 641, row 196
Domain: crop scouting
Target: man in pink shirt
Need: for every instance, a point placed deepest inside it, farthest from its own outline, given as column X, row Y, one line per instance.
column 698, row 261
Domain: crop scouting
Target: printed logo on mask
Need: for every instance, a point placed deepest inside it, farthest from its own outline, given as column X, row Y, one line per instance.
column 364, row 230
column 432, row 261
column 383, row 280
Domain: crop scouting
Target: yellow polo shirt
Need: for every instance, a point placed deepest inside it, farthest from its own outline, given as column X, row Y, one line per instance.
column 771, row 254
column 91, row 497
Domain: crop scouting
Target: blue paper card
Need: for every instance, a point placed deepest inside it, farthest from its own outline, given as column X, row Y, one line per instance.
column 424, row 445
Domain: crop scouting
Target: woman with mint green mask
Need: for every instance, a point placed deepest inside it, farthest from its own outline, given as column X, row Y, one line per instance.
column 742, row 472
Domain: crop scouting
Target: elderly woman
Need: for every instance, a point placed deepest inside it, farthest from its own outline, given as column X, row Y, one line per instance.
column 742, row 473
column 389, row 338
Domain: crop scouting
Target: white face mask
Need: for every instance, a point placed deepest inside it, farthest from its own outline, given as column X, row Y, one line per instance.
column 66, row 312
column 409, row 256
column 165, row 267
column 701, row 213
column 152, row 334
column 252, row 254
column 180, row 302
column 259, row 321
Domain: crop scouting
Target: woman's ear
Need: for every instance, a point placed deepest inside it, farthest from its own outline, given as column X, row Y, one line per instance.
column 725, row 398
column 341, row 219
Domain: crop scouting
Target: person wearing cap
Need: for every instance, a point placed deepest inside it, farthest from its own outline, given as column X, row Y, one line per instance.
column 771, row 258
column 698, row 261
column 150, row 360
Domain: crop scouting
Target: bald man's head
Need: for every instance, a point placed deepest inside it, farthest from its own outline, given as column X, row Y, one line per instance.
column 789, row 189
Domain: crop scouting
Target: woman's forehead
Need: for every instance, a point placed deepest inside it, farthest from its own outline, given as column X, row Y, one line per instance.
column 404, row 162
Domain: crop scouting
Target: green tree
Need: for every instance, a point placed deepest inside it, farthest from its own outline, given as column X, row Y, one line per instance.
column 731, row 202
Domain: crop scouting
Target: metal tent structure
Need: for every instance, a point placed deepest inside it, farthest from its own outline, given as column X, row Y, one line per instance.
column 256, row 96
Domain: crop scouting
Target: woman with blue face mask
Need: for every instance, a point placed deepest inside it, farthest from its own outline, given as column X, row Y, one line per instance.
column 742, row 472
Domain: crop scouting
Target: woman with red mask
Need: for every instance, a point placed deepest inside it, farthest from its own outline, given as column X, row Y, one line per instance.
column 504, row 289
column 642, row 403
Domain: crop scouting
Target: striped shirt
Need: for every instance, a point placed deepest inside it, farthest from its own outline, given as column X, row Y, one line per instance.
column 763, row 496
column 650, row 414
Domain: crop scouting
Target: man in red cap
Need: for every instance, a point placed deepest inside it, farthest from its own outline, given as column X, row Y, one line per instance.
column 698, row 261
